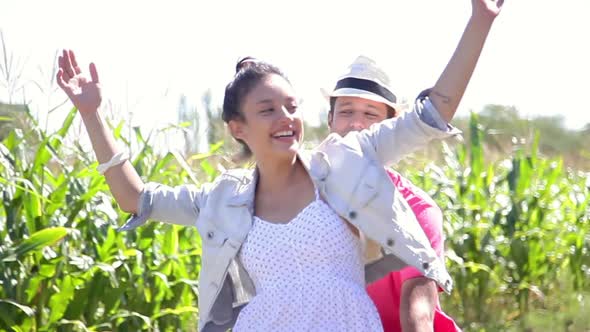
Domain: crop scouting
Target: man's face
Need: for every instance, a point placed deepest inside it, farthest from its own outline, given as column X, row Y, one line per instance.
column 354, row 114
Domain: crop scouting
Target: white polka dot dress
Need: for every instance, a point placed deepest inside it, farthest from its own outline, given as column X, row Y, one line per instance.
column 308, row 274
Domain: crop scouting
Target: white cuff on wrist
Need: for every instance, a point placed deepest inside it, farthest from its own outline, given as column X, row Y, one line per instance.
column 117, row 159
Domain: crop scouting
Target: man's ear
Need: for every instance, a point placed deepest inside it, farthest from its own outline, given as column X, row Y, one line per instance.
column 236, row 128
column 330, row 118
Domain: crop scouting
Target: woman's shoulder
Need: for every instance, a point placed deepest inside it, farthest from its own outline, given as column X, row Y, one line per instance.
column 235, row 186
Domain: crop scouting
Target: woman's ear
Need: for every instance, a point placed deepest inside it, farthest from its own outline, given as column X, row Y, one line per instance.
column 236, row 128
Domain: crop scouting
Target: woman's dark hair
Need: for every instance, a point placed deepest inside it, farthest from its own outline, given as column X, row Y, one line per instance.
column 249, row 72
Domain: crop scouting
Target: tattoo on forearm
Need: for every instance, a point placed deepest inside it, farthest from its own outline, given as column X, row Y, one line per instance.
column 445, row 99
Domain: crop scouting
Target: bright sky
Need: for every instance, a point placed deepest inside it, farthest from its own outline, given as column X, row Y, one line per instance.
column 149, row 52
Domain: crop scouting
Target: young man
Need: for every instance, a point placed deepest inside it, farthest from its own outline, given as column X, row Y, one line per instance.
column 406, row 300
column 403, row 298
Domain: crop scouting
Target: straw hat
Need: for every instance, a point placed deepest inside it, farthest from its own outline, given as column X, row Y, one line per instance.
column 364, row 79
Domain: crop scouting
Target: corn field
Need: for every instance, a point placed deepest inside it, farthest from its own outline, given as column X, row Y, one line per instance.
column 518, row 243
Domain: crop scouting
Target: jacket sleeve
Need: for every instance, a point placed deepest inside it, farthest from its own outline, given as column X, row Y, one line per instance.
column 176, row 205
column 391, row 140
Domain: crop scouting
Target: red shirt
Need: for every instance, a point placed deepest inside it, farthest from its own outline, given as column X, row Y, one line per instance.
column 386, row 292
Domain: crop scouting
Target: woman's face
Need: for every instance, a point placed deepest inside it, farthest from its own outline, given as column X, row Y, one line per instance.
column 272, row 125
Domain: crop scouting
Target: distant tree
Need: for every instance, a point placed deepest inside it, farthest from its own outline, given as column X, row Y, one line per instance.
column 188, row 123
column 215, row 130
column 505, row 128
column 12, row 116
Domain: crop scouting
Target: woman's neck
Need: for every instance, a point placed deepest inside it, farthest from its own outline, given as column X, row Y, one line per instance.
column 274, row 176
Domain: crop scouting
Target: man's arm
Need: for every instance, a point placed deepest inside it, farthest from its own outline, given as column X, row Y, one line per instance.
column 418, row 301
column 450, row 87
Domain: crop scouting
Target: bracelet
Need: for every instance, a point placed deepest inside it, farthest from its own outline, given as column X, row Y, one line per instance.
column 117, row 159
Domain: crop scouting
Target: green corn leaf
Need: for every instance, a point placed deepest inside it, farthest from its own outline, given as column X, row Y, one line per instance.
column 39, row 240
column 124, row 315
column 60, row 301
column 170, row 245
column 76, row 323
column 185, row 166
column 175, row 312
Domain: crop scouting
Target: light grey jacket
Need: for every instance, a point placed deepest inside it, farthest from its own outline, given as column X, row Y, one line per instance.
column 351, row 178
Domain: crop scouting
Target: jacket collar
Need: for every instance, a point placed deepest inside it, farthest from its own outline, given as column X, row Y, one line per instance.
column 245, row 189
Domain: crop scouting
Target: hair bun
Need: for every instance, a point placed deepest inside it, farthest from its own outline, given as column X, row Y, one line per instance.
column 245, row 62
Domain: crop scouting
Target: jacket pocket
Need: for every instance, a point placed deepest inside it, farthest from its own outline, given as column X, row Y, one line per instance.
column 211, row 236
